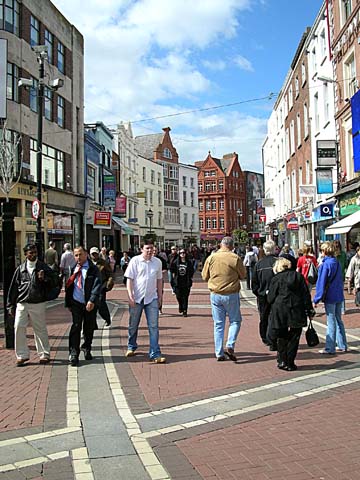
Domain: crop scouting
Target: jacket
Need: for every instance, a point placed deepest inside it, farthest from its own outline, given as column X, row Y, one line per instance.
column 353, row 271
column 26, row 288
column 329, row 272
column 92, row 286
column 262, row 276
column 290, row 300
column 223, row 271
column 107, row 281
column 189, row 272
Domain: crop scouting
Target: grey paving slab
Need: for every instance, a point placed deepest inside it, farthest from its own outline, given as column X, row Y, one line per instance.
column 67, row 441
column 312, row 382
column 174, row 418
column 128, row 467
column 17, row 453
column 103, row 446
column 109, row 425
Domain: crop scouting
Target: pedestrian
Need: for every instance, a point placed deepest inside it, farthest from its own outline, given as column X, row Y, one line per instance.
column 304, row 262
column 112, row 261
column 82, row 297
column 286, row 253
column 263, row 274
column 249, row 262
column 103, row 254
column 51, row 256
column 173, row 254
column 223, row 272
column 144, row 287
column 158, row 255
column 107, row 283
column 196, row 257
column 340, row 256
column 290, row 302
column 124, row 262
column 67, row 262
column 330, row 290
column 26, row 300
column 353, row 276
column 182, row 272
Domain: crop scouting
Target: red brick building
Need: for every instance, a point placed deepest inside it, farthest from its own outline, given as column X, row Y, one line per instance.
column 222, row 193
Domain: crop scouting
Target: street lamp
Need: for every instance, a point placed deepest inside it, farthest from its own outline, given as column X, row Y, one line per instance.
column 150, row 215
column 42, row 55
column 239, row 214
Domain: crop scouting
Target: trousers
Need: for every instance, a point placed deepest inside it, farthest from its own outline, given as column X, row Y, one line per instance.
column 81, row 320
column 36, row 313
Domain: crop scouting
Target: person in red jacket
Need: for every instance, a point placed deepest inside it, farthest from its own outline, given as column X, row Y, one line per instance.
column 304, row 262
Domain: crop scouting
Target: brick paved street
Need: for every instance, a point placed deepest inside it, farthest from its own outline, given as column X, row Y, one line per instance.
column 191, row 418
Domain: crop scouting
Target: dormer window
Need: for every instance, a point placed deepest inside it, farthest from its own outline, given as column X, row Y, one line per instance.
column 167, row 153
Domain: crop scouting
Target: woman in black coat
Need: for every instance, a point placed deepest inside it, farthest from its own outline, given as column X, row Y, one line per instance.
column 182, row 271
column 291, row 304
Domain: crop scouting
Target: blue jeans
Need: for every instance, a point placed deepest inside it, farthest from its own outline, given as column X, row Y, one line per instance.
column 220, row 306
column 335, row 333
column 152, row 318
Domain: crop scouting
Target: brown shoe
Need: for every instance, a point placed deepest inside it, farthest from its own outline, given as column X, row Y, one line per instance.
column 44, row 359
column 230, row 354
column 21, row 361
column 130, row 353
column 158, row 360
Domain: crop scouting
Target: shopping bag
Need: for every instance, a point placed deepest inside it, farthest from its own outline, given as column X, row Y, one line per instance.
column 311, row 336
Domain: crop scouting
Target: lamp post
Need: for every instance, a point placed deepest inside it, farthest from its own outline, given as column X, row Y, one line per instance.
column 239, row 214
column 150, row 215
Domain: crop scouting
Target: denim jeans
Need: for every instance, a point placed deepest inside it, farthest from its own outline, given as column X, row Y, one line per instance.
column 335, row 333
column 152, row 317
column 220, row 306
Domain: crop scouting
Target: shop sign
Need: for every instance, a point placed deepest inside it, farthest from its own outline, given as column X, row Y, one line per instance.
column 307, row 190
column 102, row 220
column 59, row 224
column 281, row 227
column 293, row 224
column 326, row 153
column 262, row 218
column 267, row 202
column 120, row 206
column 326, row 210
column 348, row 204
column 324, row 180
column 109, row 190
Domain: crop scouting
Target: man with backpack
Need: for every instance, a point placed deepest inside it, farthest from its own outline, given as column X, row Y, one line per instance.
column 249, row 262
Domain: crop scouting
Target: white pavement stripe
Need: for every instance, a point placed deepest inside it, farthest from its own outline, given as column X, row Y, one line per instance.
column 348, row 335
column 34, row 461
column 143, row 449
column 251, row 408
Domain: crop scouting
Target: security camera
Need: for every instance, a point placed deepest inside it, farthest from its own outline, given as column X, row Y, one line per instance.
column 56, row 83
column 25, row 82
column 40, row 49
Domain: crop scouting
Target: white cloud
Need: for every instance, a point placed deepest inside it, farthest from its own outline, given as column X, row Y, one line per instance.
column 243, row 63
column 215, row 65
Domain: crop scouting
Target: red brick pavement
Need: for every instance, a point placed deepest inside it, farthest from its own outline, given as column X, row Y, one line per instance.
column 24, row 390
column 191, row 368
column 321, row 441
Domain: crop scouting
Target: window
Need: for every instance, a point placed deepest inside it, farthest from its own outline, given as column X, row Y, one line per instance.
column 191, row 182
column 207, row 187
column 185, row 220
column 167, row 153
column 184, row 198
column 33, row 96
column 303, row 74
column 12, row 142
column 307, row 172
column 173, row 172
column 306, row 121
column 350, row 77
column 298, row 129
column 12, row 90
column 60, row 111
column 221, row 185
column 165, row 170
column 34, row 31
column 213, row 186
column 61, row 57
column 345, row 10
column 184, row 181
column 296, row 87
column 192, row 199
column 222, row 204
column 9, row 16
column 49, row 42
column 323, row 43
column 159, row 199
column 213, row 204
column 287, row 148
column 291, row 97
column 173, row 192
column 152, row 177
column 151, row 197
column 52, row 165
column 222, row 224
column 208, row 205
column 91, row 182
column 48, row 95
column 292, row 137
column 314, row 60
column 144, row 174
column 146, row 196
column 208, row 223
column 214, row 223
column 326, row 102
column 316, row 112
column 200, row 187
column 201, row 205
column 201, row 224
column 159, row 178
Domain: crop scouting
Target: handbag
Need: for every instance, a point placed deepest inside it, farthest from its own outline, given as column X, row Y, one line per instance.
column 312, row 275
column 311, row 336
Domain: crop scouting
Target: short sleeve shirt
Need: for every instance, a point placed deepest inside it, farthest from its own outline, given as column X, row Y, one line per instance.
column 145, row 274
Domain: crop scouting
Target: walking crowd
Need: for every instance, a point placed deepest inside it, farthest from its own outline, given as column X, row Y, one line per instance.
column 282, row 284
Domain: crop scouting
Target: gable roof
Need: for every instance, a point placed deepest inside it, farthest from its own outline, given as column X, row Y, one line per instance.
column 147, row 144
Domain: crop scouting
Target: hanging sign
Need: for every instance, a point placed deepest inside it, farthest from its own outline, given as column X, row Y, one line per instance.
column 36, row 209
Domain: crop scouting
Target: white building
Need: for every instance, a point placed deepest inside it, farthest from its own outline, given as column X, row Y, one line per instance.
column 189, row 205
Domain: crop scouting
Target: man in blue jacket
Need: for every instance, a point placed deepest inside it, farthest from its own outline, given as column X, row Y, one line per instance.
column 330, row 290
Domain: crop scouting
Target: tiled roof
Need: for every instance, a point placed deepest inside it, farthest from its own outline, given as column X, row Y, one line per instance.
column 147, row 144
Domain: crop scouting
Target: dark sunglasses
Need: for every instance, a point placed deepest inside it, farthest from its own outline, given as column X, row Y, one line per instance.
column 182, row 253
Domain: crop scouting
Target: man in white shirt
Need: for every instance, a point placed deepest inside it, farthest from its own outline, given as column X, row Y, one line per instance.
column 144, row 287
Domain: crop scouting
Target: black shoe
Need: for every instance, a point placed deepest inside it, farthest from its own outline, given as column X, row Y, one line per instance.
column 185, row 314
column 180, row 311
column 107, row 324
column 282, row 366
column 221, row 358
column 87, row 354
column 74, row 360
column 273, row 348
column 291, row 368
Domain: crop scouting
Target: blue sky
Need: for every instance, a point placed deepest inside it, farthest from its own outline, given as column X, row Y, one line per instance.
column 150, row 58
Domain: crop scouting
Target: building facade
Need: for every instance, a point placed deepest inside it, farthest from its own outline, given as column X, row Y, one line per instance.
column 189, row 207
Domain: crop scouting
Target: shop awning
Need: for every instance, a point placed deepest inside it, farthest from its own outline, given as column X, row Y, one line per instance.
column 344, row 225
column 123, row 225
